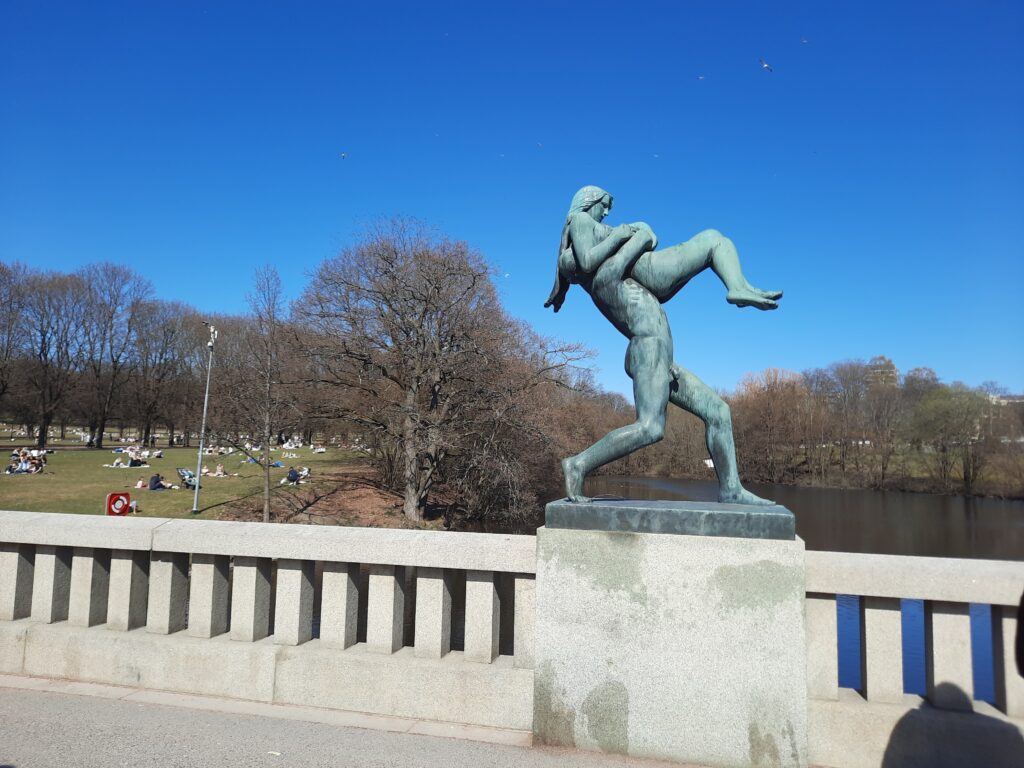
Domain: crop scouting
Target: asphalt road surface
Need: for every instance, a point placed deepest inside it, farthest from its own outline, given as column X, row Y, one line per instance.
column 42, row 729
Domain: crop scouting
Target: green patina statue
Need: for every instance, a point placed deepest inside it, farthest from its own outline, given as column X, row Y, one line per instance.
column 629, row 279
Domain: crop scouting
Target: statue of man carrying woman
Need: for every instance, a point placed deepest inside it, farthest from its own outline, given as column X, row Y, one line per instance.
column 629, row 279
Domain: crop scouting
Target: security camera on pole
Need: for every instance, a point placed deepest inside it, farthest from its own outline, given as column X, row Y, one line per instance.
column 202, row 430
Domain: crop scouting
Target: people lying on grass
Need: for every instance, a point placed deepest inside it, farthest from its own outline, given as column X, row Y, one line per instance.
column 303, row 473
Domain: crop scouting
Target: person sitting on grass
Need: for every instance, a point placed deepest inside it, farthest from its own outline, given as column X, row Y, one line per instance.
column 140, row 483
column 303, row 473
column 292, row 478
column 156, row 483
column 220, row 471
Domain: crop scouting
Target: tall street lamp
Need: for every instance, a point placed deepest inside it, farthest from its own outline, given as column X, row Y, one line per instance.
column 202, row 430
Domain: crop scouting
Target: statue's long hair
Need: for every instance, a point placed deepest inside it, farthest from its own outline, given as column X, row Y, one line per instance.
column 583, row 200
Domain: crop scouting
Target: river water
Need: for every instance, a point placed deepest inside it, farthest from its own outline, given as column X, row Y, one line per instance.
column 880, row 522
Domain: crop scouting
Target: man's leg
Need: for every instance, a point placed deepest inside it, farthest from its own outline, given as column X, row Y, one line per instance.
column 664, row 272
column 693, row 395
column 647, row 363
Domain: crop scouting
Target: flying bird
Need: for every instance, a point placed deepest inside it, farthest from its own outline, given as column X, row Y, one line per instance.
column 803, row 40
column 765, row 65
column 344, row 155
column 700, row 77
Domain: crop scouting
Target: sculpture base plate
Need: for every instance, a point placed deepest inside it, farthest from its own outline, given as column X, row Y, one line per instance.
column 688, row 518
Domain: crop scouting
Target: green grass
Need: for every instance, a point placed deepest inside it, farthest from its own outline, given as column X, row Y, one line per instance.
column 76, row 481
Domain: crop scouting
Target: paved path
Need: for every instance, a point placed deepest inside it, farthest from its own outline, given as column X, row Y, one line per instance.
column 51, row 724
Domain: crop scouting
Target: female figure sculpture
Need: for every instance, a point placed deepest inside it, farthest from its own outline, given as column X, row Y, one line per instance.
column 628, row 280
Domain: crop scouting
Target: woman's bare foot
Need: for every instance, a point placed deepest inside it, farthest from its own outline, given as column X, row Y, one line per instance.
column 743, row 496
column 573, row 480
column 751, row 297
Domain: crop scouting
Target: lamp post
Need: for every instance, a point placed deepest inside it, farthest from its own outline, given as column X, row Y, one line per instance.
column 202, row 430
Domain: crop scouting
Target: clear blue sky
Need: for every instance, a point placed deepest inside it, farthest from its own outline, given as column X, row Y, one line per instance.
column 877, row 174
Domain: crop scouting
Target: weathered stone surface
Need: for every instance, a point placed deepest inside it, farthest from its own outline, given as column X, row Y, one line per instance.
column 525, row 591
column 129, row 589
column 403, row 684
column 293, row 612
column 854, row 733
column 433, row 612
column 989, row 582
column 213, row 667
column 385, row 619
column 12, row 646
column 52, row 583
column 250, row 598
column 822, row 646
column 339, row 604
column 167, row 611
column 375, row 546
column 16, row 575
column 208, row 596
column 59, row 529
column 687, row 648
column 692, row 518
column 90, row 581
column 483, row 614
column 950, row 677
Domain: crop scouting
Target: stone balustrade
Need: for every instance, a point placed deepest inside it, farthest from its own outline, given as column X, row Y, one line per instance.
column 413, row 623
column 853, row 727
column 436, row 625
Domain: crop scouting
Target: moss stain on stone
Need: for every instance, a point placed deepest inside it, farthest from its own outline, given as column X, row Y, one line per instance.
column 554, row 722
column 760, row 585
column 607, row 711
column 764, row 752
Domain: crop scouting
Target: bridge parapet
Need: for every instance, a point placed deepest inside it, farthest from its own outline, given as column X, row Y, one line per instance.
column 378, row 620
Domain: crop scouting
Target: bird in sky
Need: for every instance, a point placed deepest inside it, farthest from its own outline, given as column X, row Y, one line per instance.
column 804, row 40
column 765, row 65
column 700, row 77
column 344, row 155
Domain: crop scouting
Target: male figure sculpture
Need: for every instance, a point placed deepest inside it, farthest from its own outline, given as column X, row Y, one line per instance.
column 629, row 279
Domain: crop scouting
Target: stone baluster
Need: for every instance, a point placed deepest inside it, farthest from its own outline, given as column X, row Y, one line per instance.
column 822, row 646
column 948, row 650
column 482, row 617
column 293, row 609
column 525, row 615
column 90, row 582
column 433, row 612
column 16, row 564
column 386, row 610
column 883, row 649
column 1009, row 685
column 52, row 584
column 339, row 604
column 250, row 598
column 208, row 596
column 129, row 589
column 168, row 593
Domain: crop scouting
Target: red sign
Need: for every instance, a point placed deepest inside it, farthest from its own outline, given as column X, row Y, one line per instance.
column 119, row 503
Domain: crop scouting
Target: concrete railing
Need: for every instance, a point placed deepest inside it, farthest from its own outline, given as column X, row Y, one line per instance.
column 854, row 728
column 436, row 626
column 414, row 623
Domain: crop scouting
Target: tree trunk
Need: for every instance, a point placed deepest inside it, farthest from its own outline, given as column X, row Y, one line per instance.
column 44, row 430
column 99, row 433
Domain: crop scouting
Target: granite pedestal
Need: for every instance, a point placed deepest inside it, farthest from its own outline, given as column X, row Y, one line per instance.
column 671, row 645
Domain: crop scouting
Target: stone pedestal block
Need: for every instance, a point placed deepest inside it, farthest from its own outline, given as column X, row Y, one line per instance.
column 686, row 648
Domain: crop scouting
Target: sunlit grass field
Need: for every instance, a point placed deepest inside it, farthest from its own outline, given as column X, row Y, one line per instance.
column 76, row 481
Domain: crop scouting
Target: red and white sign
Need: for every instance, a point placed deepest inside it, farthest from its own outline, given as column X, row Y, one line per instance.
column 119, row 503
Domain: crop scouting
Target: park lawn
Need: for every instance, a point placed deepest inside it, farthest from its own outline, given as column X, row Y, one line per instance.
column 76, row 481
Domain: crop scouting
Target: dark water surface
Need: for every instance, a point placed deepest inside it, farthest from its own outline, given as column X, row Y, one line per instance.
column 879, row 522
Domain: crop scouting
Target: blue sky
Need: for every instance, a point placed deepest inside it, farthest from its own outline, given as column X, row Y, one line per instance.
column 877, row 174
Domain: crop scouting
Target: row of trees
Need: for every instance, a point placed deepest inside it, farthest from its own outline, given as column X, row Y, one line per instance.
column 863, row 424
column 399, row 344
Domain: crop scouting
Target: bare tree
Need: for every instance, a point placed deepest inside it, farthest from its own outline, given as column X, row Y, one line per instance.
column 114, row 298
column 254, row 400
column 52, row 321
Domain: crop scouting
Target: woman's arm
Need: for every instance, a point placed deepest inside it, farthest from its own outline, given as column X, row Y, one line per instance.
column 589, row 253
